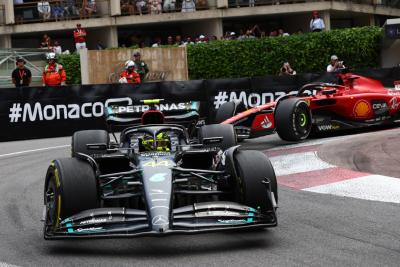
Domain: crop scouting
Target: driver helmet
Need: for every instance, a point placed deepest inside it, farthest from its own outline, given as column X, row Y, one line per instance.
column 162, row 142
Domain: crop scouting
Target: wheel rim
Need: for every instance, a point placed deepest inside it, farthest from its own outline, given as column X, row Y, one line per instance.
column 302, row 121
column 51, row 204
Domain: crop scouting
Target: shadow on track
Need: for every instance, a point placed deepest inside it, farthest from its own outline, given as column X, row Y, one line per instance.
column 167, row 247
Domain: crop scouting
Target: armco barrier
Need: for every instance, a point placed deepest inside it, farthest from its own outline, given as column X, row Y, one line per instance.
column 38, row 112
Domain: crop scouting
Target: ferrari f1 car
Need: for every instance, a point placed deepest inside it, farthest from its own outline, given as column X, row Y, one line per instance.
column 156, row 181
column 353, row 102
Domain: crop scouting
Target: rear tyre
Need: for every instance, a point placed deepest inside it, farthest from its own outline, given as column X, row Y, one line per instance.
column 228, row 110
column 293, row 119
column 70, row 188
column 252, row 168
column 225, row 131
column 81, row 138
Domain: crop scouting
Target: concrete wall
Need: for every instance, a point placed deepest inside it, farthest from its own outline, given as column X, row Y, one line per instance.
column 206, row 27
column 106, row 65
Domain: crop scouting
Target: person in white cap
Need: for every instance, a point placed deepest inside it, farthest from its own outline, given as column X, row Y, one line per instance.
column 335, row 64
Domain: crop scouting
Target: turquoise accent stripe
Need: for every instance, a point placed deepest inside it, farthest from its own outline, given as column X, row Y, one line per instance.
column 250, row 220
column 70, row 230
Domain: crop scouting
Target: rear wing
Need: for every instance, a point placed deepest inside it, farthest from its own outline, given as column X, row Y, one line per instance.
column 176, row 113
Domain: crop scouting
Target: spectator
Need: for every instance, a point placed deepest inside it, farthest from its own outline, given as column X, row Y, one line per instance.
column 155, row 7
column 53, row 74
column 127, row 7
column 157, row 43
column 44, row 10
column 281, row 32
column 316, row 24
column 141, row 66
column 188, row 41
column 79, row 37
column 273, row 33
column 71, row 9
column 335, row 64
column 57, row 48
column 141, row 6
column 169, row 5
column 188, row 6
column 251, row 3
column 201, row 39
column 46, row 41
column 21, row 76
column 58, row 11
column 100, row 46
column 129, row 75
column 286, row 69
column 178, row 40
column 88, row 8
column 170, row 40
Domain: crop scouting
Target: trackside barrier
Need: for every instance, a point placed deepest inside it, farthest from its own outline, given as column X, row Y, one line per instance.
column 39, row 112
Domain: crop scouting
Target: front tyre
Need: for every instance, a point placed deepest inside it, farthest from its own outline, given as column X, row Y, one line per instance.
column 70, row 188
column 293, row 119
column 252, row 168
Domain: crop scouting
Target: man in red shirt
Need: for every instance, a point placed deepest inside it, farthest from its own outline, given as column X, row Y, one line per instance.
column 129, row 75
column 79, row 37
column 53, row 74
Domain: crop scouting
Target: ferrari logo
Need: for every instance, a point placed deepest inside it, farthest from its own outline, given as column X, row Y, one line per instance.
column 154, row 164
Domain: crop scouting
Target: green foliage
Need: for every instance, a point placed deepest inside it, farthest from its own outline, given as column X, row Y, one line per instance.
column 358, row 47
column 71, row 64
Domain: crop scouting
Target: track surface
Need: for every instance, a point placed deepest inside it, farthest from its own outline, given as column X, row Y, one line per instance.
column 314, row 229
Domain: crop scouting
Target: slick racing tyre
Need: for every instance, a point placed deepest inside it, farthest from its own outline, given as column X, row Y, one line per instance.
column 228, row 110
column 70, row 188
column 252, row 168
column 293, row 119
column 81, row 138
column 225, row 131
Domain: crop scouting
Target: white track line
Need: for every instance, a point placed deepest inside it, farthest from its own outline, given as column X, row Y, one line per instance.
column 32, row 150
column 371, row 187
column 298, row 162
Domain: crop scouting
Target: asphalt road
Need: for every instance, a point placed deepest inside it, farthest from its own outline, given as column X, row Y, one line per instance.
column 314, row 229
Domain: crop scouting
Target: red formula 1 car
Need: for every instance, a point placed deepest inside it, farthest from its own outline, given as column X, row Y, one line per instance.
column 353, row 102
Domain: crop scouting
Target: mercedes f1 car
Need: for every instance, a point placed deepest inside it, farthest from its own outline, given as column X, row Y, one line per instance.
column 157, row 180
column 353, row 102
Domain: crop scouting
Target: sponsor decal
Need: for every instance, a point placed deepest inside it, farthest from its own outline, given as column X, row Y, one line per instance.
column 232, row 221
column 378, row 106
column 328, row 127
column 90, row 229
column 377, row 119
column 159, row 220
column 158, row 177
column 249, row 99
column 263, row 122
column 218, row 213
column 394, row 103
column 154, row 164
column 266, row 123
column 93, row 221
column 362, row 109
column 143, row 108
column 31, row 112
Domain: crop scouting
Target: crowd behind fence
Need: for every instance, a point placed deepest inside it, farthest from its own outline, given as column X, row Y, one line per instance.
column 29, row 11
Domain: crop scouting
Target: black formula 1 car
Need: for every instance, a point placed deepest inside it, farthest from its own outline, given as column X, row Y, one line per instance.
column 157, row 181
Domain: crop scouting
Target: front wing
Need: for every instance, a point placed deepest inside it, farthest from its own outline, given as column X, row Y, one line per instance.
column 192, row 219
